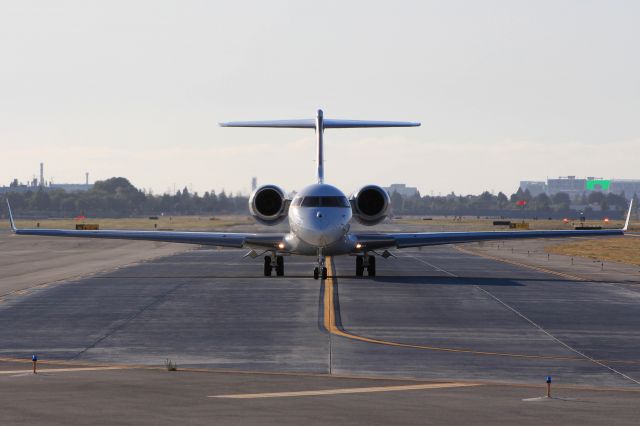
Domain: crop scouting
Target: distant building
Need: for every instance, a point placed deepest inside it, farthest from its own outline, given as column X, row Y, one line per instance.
column 534, row 187
column 17, row 187
column 576, row 187
column 40, row 184
column 628, row 186
column 402, row 189
column 569, row 185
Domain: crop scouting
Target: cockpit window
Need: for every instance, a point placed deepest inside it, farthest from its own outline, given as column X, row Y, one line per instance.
column 296, row 201
column 311, row 202
column 321, row 202
column 334, row 202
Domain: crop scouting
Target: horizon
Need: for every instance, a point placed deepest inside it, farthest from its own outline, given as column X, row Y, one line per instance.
column 505, row 92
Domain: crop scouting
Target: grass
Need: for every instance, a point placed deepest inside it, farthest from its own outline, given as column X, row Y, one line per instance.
column 192, row 223
column 469, row 223
column 621, row 249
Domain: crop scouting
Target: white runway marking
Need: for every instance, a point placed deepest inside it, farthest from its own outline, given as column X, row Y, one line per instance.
column 539, row 327
column 342, row 391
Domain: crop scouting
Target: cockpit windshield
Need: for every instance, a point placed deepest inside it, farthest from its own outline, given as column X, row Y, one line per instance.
column 314, row 201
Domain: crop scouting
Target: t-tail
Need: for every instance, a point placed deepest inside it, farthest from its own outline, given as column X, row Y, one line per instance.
column 319, row 124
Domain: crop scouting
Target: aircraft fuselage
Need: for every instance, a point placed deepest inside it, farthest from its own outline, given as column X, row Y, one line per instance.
column 319, row 218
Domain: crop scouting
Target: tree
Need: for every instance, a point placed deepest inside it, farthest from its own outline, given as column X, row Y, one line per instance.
column 503, row 201
column 541, row 202
column 617, row 202
column 596, row 197
column 561, row 198
column 397, row 203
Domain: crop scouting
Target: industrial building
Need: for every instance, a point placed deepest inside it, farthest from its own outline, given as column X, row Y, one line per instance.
column 574, row 186
column 402, row 189
column 40, row 184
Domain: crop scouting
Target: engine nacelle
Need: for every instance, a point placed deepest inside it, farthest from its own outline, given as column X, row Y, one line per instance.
column 269, row 205
column 370, row 205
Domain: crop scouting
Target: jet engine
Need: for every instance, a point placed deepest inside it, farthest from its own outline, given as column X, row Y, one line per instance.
column 370, row 205
column 268, row 205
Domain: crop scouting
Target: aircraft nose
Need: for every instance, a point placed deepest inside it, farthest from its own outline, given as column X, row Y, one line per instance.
column 321, row 231
column 320, row 221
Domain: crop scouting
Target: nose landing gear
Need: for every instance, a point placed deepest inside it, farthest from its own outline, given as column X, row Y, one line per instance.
column 316, row 273
column 321, row 269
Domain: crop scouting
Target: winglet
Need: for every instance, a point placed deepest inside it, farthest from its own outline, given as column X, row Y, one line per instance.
column 626, row 223
column 11, row 222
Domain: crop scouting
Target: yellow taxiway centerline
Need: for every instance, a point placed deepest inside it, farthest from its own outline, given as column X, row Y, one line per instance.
column 342, row 391
column 330, row 326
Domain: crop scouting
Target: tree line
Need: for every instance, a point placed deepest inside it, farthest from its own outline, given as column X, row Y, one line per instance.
column 117, row 197
column 521, row 204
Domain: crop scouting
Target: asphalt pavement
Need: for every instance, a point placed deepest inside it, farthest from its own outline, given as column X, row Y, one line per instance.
column 490, row 331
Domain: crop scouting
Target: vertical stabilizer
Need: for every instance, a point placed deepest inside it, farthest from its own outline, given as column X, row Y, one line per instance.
column 320, row 147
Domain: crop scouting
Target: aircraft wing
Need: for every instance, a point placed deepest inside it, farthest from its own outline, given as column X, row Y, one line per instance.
column 373, row 241
column 223, row 239
column 406, row 240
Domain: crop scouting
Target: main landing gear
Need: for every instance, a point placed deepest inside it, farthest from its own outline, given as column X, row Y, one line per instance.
column 273, row 262
column 365, row 261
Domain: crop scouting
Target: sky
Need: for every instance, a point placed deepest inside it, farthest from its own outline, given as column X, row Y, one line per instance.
column 505, row 91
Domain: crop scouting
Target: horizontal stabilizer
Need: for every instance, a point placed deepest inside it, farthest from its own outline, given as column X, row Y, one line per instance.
column 285, row 124
column 319, row 124
column 348, row 124
column 327, row 123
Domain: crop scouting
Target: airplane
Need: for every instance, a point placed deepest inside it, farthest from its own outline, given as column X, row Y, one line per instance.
column 320, row 217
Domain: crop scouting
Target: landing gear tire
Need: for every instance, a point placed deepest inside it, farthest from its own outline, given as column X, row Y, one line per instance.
column 359, row 266
column 279, row 266
column 324, row 273
column 372, row 266
column 316, row 273
column 267, row 266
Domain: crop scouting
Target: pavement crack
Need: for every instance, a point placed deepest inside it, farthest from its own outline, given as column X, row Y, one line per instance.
column 128, row 320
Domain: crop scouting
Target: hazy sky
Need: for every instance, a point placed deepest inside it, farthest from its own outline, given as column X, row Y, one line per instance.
column 505, row 90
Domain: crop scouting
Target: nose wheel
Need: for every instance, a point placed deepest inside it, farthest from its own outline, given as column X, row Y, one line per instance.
column 320, row 270
column 317, row 274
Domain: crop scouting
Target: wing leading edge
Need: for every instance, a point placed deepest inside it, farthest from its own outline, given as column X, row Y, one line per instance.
column 406, row 240
column 223, row 239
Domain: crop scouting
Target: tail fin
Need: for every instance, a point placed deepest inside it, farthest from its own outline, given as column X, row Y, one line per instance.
column 319, row 124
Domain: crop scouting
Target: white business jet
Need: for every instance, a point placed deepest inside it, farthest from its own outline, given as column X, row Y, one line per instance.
column 320, row 217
